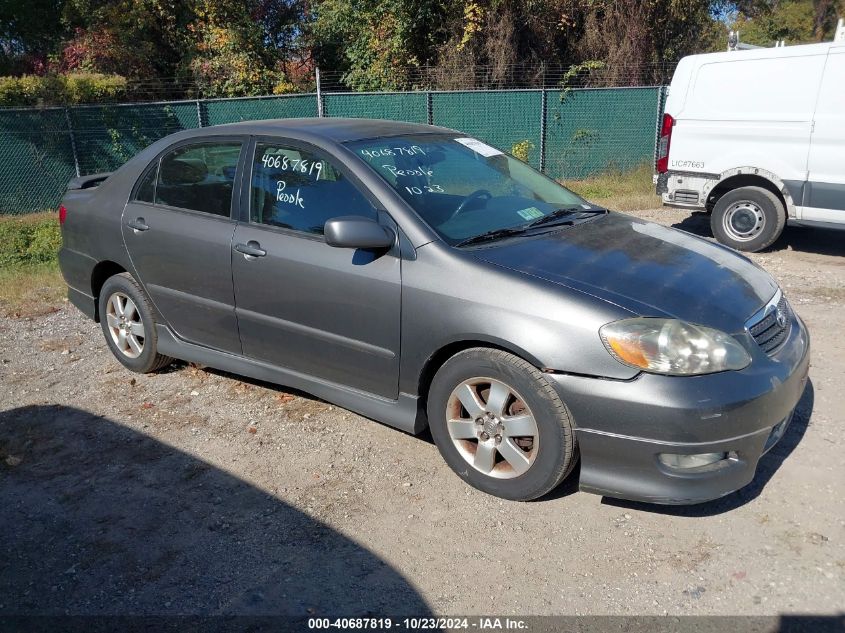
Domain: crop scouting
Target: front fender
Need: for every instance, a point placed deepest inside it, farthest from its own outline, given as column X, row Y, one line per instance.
column 549, row 325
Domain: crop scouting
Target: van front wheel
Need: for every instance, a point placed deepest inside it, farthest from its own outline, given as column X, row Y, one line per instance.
column 748, row 219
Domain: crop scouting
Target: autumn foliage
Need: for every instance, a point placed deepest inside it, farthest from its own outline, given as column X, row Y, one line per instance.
column 222, row 48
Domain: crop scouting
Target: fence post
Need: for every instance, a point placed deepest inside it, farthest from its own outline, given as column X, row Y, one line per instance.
column 661, row 95
column 199, row 114
column 319, row 93
column 543, row 109
column 72, row 143
column 429, row 108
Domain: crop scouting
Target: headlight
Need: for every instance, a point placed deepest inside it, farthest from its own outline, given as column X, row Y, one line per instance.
column 669, row 346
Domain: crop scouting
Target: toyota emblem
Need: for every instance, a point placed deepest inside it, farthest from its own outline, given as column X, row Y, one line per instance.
column 780, row 317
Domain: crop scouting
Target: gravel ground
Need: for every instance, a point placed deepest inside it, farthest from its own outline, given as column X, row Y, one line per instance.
column 191, row 491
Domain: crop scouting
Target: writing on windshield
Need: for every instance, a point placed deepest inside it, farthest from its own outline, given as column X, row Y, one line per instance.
column 461, row 186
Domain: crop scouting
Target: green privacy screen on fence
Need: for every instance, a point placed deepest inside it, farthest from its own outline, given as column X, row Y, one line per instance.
column 36, row 159
column 232, row 110
column 107, row 136
column 499, row 118
column 587, row 131
column 592, row 131
column 406, row 106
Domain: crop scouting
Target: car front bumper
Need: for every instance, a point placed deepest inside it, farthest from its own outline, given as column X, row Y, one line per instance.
column 622, row 427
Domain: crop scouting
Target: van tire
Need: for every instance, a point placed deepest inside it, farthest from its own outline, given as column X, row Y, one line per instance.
column 748, row 219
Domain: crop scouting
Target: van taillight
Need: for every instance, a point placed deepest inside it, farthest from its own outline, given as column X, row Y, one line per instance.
column 62, row 214
column 663, row 143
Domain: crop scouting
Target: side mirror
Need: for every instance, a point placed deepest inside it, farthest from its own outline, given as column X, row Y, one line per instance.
column 355, row 231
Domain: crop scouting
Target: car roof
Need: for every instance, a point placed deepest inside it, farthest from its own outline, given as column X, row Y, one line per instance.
column 338, row 130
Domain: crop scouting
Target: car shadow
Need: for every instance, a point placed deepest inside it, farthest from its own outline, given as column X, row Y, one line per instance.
column 99, row 519
column 803, row 239
column 766, row 469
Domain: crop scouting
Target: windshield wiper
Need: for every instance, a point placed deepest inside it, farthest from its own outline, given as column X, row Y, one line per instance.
column 557, row 214
column 492, row 235
column 564, row 212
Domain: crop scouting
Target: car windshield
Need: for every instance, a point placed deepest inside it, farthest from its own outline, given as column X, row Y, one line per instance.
column 464, row 188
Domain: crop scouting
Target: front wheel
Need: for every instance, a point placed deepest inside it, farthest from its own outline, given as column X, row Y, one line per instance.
column 500, row 425
column 748, row 219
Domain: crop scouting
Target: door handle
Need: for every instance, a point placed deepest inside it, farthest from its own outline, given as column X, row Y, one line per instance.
column 251, row 250
column 138, row 225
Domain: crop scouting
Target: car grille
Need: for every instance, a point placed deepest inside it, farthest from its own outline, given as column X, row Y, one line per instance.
column 767, row 331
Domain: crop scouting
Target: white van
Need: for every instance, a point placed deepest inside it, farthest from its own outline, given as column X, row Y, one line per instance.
column 757, row 137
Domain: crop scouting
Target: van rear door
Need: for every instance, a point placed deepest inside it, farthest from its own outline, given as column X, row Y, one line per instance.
column 824, row 196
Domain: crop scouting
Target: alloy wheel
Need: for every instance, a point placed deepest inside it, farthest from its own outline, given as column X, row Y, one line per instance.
column 492, row 428
column 125, row 325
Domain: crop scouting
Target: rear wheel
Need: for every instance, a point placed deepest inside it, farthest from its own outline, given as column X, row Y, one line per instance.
column 748, row 219
column 500, row 425
column 129, row 326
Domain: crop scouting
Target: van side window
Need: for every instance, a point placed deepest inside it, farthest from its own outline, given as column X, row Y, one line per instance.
column 147, row 189
column 296, row 189
column 199, row 177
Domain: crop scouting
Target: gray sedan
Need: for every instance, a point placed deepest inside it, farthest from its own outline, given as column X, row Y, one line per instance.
column 423, row 278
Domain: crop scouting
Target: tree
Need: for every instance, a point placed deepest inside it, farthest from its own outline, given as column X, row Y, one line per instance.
column 633, row 41
column 242, row 47
column 764, row 22
column 29, row 32
column 226, row 46
column 227, row 56
column 640, row 41
column 376, row 42
column 140, row 39
column 507, row 41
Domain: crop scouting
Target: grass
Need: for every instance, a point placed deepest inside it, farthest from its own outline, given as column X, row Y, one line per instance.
column 621, row 191
column 31, row 290
column 30, row 281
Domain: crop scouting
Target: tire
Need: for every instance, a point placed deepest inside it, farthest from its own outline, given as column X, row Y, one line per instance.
column 129, row 325
column 479, row 377
column 748, row 219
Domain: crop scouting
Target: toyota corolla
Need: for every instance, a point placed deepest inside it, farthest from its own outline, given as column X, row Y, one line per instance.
column 424, row 278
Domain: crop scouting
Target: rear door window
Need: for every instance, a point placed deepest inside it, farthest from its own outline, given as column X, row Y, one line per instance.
column 299, row 190
column 199, row 177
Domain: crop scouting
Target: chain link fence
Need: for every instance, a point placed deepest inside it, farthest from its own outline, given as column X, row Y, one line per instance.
column 569, row 133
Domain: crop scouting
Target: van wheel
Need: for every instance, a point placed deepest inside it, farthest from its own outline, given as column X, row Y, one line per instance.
column 129, row 326
column 748, row 219
column 500, row 425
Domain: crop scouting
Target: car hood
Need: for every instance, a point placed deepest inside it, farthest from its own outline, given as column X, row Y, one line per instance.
column 643, row 267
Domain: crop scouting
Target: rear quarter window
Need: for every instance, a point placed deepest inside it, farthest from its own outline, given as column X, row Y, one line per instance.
column 145, row 192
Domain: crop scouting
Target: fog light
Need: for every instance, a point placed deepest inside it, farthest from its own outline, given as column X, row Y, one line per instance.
column 690, row 461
